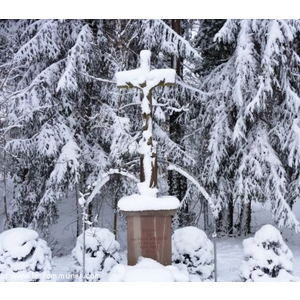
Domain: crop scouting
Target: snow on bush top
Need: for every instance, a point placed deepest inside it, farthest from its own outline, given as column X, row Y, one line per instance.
column 267, row 234
column 22, row 252
column 94, row 237
column 267, row 257
column 192, row 248
column 189, row 239
column 18, row 241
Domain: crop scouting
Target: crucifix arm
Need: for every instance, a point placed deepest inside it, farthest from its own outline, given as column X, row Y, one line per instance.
column 138, row 79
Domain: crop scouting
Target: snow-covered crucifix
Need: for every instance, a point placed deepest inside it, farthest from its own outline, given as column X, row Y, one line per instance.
column 146, row 80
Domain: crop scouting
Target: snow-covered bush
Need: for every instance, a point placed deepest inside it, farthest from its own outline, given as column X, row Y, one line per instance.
column 102, row 253
column 191, row 247
column 267, row 257
column 24, row 256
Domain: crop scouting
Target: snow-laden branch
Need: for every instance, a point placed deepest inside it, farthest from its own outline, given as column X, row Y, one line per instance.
column 214, row 209
column 171, row 36
column 189, row 87
column 96, row 78
column 105, row 178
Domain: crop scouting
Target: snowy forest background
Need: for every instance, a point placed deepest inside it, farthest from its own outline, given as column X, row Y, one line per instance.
column 231, row 125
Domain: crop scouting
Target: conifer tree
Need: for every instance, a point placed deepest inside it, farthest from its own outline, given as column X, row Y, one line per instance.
column 69, row 125
column 250, row 118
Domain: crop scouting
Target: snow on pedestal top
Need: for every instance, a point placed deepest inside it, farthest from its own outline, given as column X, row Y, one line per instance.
column 138, row 202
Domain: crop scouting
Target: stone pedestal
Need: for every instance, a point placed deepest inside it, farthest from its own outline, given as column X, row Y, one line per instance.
column 149, row 235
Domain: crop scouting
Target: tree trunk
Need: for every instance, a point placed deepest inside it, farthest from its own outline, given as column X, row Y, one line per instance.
column 205, row 215
column 230, row 216
column 177, row 182
column 177, row 62
column 219, row 222
column 115, row 205
column 78, row 212
column 90, row 212
column 5, row 186
column 248, row 218
column 240, row 222
column 244, row 224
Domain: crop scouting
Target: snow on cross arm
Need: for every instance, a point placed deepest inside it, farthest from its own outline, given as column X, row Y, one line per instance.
column 143, row 77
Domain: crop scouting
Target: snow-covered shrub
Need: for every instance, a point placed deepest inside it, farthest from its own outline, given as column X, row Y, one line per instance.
column 102, row 253
column 24, row 256
column 267, row 257
column 191, row 247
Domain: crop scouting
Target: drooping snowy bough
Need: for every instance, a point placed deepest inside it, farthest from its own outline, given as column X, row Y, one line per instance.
column 102, row 253
column 191, row 247
column 267, row 257
column 24, row 256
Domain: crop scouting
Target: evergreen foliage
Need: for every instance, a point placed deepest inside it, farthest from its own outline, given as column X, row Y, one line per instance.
column 102, row 253
column 267, row 257
column 248, row 117
column 192, row 248
column 234, row 115
column 24, row 256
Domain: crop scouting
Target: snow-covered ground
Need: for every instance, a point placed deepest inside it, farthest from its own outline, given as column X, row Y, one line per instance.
column 229, row 249
column 229, row 259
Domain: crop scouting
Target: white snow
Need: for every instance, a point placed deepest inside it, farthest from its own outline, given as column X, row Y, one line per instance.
column 138, row 202
column 191, row 247
column 138, row 77
column 23, row 256
column 101, row 251
column 145, row 79
column 143, row 76
column 147, row 270
column 266, row 254
column 230, row 257
column 18, row 242
column 145, row 56
column 134, row 77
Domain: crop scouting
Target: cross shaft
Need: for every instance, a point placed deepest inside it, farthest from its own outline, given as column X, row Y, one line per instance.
column 146, row 80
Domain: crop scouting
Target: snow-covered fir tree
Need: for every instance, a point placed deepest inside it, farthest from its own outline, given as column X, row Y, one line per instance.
column 249, row 120
column 236, row 110
column 71, row 127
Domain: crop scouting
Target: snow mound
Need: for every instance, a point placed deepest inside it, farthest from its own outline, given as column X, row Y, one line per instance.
column 191, row 247
column 267, row 257
column 147, row 270
column 138, row 202
column 102, row 253
column 24, row 256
